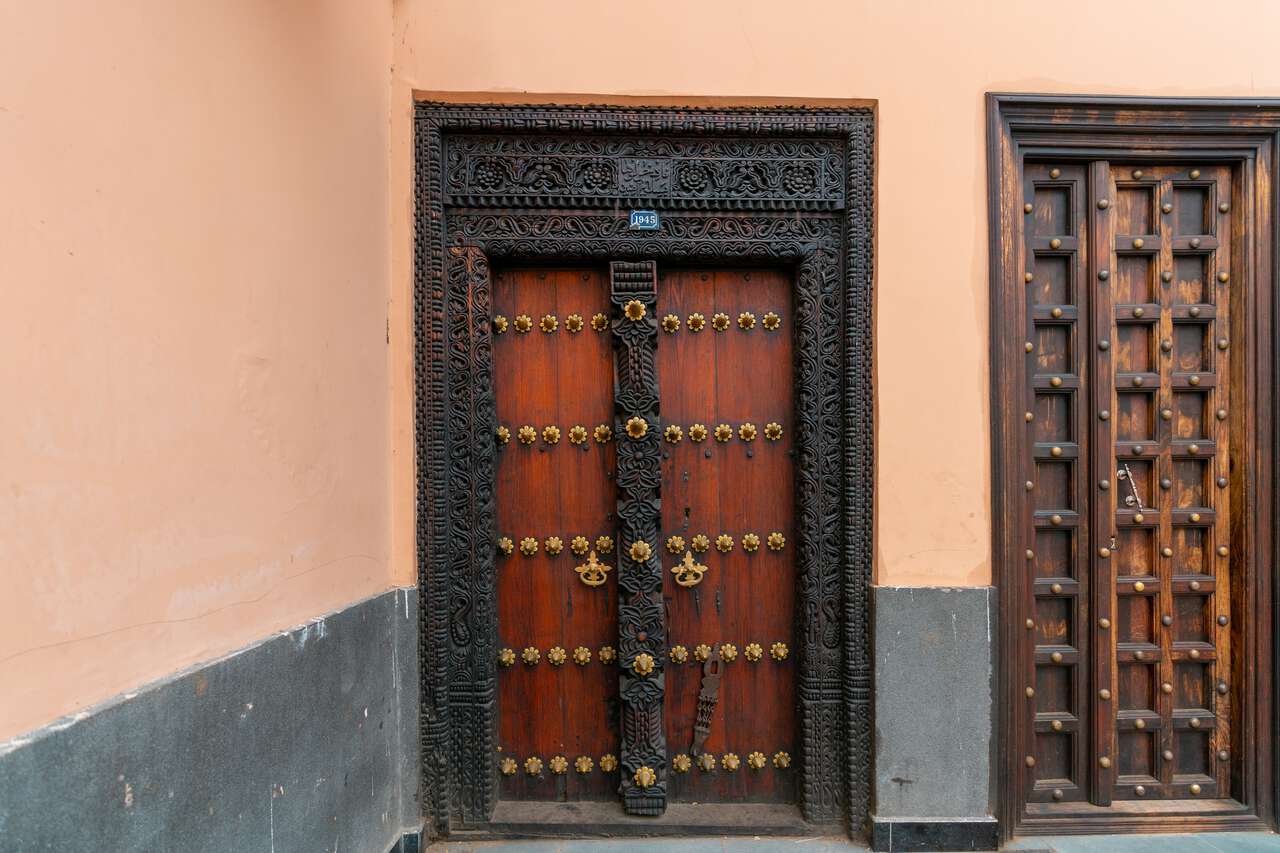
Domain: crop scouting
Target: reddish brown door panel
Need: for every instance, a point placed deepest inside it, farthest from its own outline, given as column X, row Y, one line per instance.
column 1129, row 673
column 725, row 362
column 556, row 589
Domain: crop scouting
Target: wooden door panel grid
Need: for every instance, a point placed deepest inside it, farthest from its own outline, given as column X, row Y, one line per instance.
column 1128, row 602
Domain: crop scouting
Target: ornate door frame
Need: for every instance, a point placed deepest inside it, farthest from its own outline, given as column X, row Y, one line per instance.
column 787, row 187
column 1242, row 134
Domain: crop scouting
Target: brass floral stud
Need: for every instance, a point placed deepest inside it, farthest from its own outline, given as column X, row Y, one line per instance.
column 554, row 545
column 604, row 544
column 746, row 321
column 675, row 544
column 634, row 310
column 781, row 760
column 696, row 322
column 573, row 323
column 777, row 541
column 506, row 657
column 527, row 434
column 637, row 428
column 772, row 321
column 701, row 652
column 607, row 655
column 528, row 546
column 643, row 664
column 720, row 321
column 773, row 431
column 502, row 434
column 728, row 652
column 524, row 323
column 583, row 764
column 697, row 432
column 670, row 324
column 500, row 325
column 751, row 543
column 531, row 656
column 551, row 435
column 582, row 655
column 599, row 322
column 548, row 323
column 640, row 551
column 645, row 777
column 700, row 543
column 755, row 760
column 508, row 767
column 747, row 432
column 577, row 434
column 579, row 545
column 753, row 652
column 559, row 764
column 724, row 543
column 608, row 763
column 679, row 654
column 506, row 546
column 556, row 656
column 673, row 434
column 730, row 762
column 603, row 434
column 706, row 762
column 778, row 651
column 533, row 766
column 681, row 763
column 724, row 432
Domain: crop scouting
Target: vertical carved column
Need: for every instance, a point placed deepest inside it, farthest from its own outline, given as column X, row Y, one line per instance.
column 472, row 614
column 641, row 632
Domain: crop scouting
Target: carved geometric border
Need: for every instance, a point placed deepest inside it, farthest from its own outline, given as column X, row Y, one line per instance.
column 830, row 251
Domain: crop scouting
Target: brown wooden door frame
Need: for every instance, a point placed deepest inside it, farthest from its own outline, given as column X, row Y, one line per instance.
column 788, row 188
column 1246, row 136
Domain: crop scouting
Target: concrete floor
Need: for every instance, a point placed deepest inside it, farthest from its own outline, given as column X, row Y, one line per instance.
column 1213, row 842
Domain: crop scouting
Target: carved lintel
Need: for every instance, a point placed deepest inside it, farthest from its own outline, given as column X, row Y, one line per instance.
column 633, row 286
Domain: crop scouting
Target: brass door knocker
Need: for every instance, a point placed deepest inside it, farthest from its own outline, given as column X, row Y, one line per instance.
column 689, row 572
column 593, row 572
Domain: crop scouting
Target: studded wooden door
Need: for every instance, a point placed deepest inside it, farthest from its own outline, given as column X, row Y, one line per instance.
column 645, row 513
column 1129, row 670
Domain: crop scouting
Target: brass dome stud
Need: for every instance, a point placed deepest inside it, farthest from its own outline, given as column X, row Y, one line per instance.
column 702, row 652
column 696, row 322
column 1055, row 243
column 506, row 546
column 530, row 656
column 554, row 545
column 573, row 323
column 772, row 322
column 746, row 321
column 1195, row 788
column 730, row 762
column 700, row 543
column 675, row 544
column 608, row 763
column 582, row 655
column 747, row 432
column 720, row 321
column 645, row 777
column 643, row 664
column 634, row 310
column 697, row 433
column 1104, row 762
column 604, row 544
column 577, row 434
column 548, row 323
column 724, row 543
column 1166, row 208
column 524, row 323
column 1195, row 173
column 751, row 543
column 500, row 325
column 580, row 545
column 681, row 763
column 724, row 432
column 779, row 651
column 506, row 657
column 776, row 541
column 1138, row 242
column 640, row 551
column 508, row 766
column 607, row 655
column 527, row 434
column 603, row 434
column 673, row 434
column 728, row 652
column 583, row 764
column 706, row 762
column 637, row 428
column 502, row 434
column 773, row 431
column 756, row 760
column 599, row 322
column 1027, row 208
column 679, row 654
column 1054, row 173
column 559, row 765
column 781, row 760
column 528, row 546
column 753, row 652
column 671, row 324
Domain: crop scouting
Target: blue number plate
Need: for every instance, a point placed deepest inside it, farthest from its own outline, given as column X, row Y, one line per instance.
column 644, row 220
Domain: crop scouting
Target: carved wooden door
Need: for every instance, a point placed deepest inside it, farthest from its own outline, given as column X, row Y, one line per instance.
column 1128, row 666
column 645, row 509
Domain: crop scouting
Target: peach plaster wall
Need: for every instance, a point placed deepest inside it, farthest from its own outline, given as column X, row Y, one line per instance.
column 193, row 345
column 928, row 64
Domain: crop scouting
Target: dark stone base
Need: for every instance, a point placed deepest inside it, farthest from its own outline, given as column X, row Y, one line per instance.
column 307, row 741
column 893, row 835
column 410, row 842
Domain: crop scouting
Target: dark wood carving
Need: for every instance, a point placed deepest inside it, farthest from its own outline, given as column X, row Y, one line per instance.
column 782, row 208
column 641, row 628
column 1132, row 374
